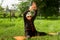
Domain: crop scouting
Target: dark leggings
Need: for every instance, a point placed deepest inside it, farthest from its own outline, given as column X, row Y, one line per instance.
column 35, row 33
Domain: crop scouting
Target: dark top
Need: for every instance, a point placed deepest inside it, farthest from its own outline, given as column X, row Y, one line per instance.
column 29, row 25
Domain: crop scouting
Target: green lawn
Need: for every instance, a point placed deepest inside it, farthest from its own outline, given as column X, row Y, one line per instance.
column 15, row 27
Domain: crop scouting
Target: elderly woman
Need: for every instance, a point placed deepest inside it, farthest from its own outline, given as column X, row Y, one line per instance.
column 29, row 17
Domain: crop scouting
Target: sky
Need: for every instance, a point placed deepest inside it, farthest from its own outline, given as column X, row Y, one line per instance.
column 9, row 3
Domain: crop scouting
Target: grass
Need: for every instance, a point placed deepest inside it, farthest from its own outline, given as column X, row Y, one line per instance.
column 15, row 27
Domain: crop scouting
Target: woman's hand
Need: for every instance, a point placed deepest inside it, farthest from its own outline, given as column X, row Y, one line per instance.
column 33, row 7
column 30, row 8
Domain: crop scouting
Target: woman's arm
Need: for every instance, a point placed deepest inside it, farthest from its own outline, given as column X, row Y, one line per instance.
column 35, row 14
column 24, row 15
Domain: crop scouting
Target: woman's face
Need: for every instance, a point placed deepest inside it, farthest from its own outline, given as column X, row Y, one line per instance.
column 29, row 17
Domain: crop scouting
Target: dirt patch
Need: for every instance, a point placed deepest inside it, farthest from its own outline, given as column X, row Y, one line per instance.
column 20, row 37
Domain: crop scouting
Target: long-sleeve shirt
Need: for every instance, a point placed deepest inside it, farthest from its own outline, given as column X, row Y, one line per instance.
column 29, row 25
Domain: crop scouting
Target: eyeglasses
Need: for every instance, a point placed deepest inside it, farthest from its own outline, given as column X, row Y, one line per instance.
column 29, row 16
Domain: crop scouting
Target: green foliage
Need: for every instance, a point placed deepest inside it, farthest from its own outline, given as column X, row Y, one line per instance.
column 47, row 7
column 23, row 6
column 1, row 10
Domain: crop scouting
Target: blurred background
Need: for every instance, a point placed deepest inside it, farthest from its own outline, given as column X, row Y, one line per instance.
column 11, row 18
column 16, row 8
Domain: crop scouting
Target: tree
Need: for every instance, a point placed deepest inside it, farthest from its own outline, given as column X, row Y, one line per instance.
column 23, row 6
column 47, row 7
column 1, row 11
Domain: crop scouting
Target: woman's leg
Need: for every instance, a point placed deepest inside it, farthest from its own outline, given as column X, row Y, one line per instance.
column 42, row 34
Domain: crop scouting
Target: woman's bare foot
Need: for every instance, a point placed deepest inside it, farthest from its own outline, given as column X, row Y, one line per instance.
column 53, row 33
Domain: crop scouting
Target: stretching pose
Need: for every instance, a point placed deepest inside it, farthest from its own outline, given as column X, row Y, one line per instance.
column 29, row 17
column 29, row 22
